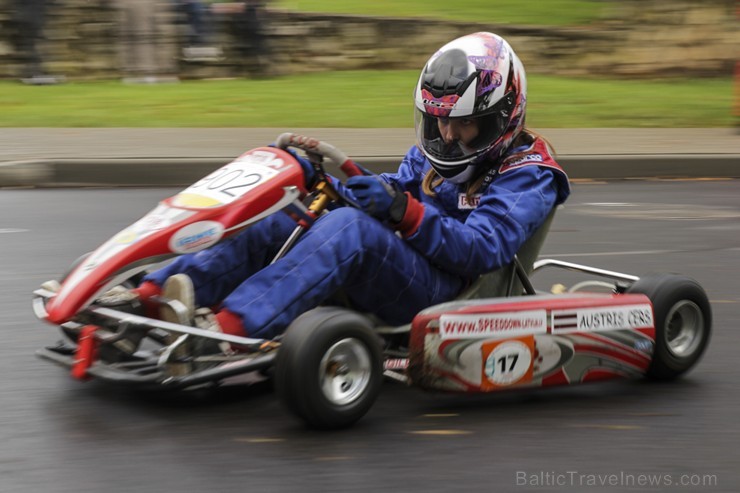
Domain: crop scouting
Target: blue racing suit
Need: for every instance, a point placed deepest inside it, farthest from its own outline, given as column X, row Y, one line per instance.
column 454, row 239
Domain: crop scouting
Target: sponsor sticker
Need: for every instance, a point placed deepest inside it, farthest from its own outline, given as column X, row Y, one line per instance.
column 531, row 158
column 396, row 364
column 507, row 362
column 197, row 236
column 142, row 228
column 605, row 318
column 468, row 202
column 493, row 325
column 126, row 237
column 152, row 222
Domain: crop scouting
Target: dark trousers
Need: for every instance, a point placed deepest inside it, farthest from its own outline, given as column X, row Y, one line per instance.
column 197, row 17
column 29, row 21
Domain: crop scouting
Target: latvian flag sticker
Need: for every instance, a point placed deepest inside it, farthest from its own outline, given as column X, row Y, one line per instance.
column 564, row 321
column 603, row 318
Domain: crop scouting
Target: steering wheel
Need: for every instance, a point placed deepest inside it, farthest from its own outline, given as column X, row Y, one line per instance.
column 316, row 150
column 314, row 147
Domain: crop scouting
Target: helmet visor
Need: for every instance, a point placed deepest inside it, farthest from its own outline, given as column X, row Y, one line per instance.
column 456, row 141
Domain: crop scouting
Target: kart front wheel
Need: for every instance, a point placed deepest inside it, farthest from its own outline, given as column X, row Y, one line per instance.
column 328, row 370
column 683, row 321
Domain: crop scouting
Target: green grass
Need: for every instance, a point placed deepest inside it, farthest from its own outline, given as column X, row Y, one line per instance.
column 364, row 99
column 529, row 12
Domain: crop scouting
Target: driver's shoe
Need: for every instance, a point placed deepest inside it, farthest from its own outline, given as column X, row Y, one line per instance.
column 122, row 299
column 116, row 296
column 125, row 345
column 179, row 293
column 179, row 296
column 205, row 319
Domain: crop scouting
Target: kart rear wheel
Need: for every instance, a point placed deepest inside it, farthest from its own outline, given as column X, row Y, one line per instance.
column 683, row 321
column 328, row 370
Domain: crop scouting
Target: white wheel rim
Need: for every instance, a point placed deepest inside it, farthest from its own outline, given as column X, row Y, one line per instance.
column 684, row 328
column 344, row 371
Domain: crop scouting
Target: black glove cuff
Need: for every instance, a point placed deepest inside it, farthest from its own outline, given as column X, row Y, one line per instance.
column 398, row 207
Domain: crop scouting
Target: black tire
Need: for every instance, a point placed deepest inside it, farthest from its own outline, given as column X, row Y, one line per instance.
column 683, row 321
column 316, row 343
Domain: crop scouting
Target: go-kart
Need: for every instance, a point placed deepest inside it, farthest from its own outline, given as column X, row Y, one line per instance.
column 327, row 367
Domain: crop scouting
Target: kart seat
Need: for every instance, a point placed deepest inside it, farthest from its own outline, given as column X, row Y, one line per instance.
column 505, row 281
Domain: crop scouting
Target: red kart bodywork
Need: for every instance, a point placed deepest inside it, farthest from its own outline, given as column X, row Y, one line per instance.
column 534, row 341
column 256, row 184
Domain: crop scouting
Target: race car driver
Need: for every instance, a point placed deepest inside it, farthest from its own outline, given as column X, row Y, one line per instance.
column 475, row 187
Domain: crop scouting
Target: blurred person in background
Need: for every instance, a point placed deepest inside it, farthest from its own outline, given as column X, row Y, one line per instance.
column 146, row 40
column 462, row 203
column 249, row 29
column 199, row 25
column 252, row 44
column 29, row 20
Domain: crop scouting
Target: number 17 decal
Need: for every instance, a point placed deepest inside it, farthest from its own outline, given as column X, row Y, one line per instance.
column 507, row 362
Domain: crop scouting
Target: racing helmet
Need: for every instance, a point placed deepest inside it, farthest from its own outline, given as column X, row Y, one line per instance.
column 477, row 77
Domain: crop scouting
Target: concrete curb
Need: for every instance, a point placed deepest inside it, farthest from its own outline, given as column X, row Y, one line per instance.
column 620, row 167
column 175, row 172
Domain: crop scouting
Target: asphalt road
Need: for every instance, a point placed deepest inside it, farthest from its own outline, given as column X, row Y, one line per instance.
column 58, row 435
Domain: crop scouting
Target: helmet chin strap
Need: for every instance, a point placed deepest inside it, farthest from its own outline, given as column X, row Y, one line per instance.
column 492, row 170
column 465, row 176
column 477, row 169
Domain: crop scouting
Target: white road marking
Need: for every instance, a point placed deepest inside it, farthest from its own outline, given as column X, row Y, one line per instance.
column 13, row 230
column 610, row 204
column 604, row 254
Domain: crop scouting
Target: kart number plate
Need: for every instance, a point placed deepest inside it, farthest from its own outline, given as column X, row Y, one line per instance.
column 232, row 181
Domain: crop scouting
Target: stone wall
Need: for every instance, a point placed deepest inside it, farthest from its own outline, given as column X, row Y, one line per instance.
column 640, row 38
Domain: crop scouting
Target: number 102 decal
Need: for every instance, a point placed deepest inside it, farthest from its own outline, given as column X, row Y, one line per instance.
column 235, row 179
